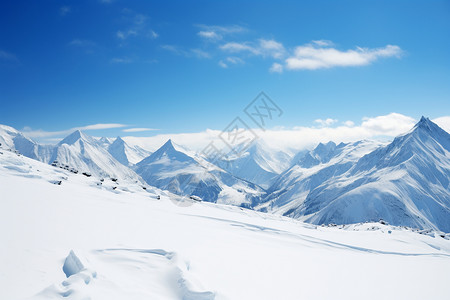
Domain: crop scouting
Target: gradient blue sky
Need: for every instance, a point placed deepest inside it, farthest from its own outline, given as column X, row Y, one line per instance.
column 182, row 66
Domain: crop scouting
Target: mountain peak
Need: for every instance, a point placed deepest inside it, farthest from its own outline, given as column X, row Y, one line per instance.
column 427, row 125
column 168, row 145
column 74, row 137
column 9, row 129
column 424, row 122
column 119, row 140
column 321, row 148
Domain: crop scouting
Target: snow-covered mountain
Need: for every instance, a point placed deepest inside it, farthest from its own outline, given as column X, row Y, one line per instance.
column 259, row 164
column 86, row 154
column 180, row 171
column 405, row 183
column 323, row 163
column 126, row 154
column 13, row 139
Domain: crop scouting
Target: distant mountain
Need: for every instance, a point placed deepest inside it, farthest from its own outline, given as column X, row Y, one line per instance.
column 126, row 154
column 404, row 183
column 323, row 163
column 86, row 154
column 180, row 171
column 13, row 139
column 105, row 142
column 258, row 164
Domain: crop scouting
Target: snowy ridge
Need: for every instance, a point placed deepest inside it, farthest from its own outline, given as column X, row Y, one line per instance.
column 180, row 171
column 126, row 154
column 84, row 153
column 13, row 139
column 292, row 187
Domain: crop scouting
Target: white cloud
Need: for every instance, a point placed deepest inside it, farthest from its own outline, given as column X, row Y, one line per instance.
column 152, row 34
column 123, row 35
column 319, row 55
column 263, row 47
column 200, row 53
column 137, row 26
column 179, row 51
column 139, row 129
column 234, row 47
column 171, row 48
column 235, row 60
column 379, row 127
column 386, row 126
column 443, row 122
column 121, row 60
column 271, row 48
column 215, row 33
column 196, row 52
column 222, row 64
column 209, row 35
column 232, row 60
column 325, row 122
column 64, row 10
column 276, row 68
column 323, row 43
column 81, row 43
column 391, row 124
column 42, row 134
column 349, row 123
column 7, row 56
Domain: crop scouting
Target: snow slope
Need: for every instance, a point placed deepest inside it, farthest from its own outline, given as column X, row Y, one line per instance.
column 405, row 183
column 79, row 240
column 180, row 171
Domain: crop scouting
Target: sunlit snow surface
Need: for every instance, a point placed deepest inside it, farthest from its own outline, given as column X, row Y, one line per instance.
column 123, row 243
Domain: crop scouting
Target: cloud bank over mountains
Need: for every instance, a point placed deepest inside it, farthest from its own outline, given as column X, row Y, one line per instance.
column 383, row 127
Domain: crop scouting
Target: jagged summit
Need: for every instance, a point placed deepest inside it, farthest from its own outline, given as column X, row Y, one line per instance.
column 424, row 135
column 74, row 137
column 126, row 154
column 118, row 142
column 168, row 150
column 168, row 145
column 429, row 126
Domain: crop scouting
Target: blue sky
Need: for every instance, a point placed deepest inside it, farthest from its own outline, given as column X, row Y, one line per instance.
column 181, row 66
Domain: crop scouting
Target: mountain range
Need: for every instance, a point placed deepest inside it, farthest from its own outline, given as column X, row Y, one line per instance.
column 404, row 182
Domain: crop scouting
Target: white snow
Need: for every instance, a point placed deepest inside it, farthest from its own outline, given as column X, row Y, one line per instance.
column 126, row 244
